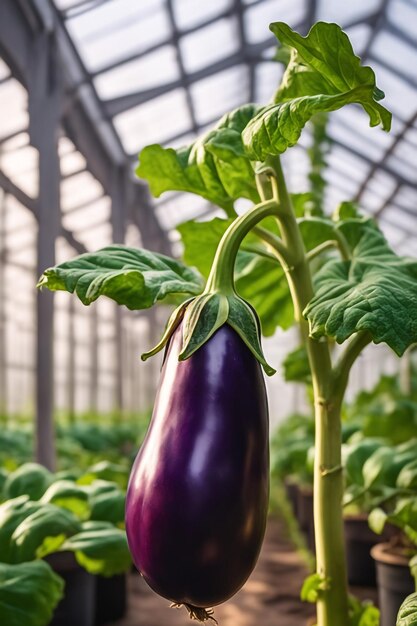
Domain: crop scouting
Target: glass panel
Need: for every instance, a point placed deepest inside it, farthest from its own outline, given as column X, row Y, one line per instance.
column 222, row 92
column 78, row 190
column 400, row 97
column 189, row 13
column 391, row 48
column 210, row 44
column 267, row 79
column 359, row 36
column 21, row 166
column 4, row 70
column 154, row 121
column 14, row 115
column 95, row 213
column 156, row 68
column 117, row 29
column 259, row 16
column 343, row 12
column 404, row 220
column 403, row 15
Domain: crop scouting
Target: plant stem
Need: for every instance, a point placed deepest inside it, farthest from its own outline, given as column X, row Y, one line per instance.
column 332, row 605
column 221, row 276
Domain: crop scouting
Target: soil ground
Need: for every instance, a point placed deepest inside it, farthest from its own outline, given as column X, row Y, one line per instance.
column 269, row 598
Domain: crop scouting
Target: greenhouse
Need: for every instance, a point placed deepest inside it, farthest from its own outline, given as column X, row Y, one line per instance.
column 208, row 312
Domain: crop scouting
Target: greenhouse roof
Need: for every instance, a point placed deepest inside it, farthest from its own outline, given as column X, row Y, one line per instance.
column 162, row 71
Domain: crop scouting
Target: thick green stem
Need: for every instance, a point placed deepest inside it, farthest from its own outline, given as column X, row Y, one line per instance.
column 332, row 606
column 221, row 274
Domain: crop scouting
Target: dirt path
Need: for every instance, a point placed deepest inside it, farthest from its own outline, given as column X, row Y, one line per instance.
column 269, row 598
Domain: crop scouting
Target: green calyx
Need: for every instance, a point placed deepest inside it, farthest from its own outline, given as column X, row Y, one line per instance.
column 203, row 315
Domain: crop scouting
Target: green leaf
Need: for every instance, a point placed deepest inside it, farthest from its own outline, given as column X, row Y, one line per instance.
column 108, row 507
column 376, row 292
column 354, row 457
column 407, row 478
column 29, row 479
column 136, row 278
column 296, row 366
column 68, row 495
column 316, row 80
column 48, row 521
column 29, row 593
column 215, row 166
column 12, row 513
column 407, row 615
column 102, row 551
column 312, row 587
column 377, row 520
column 107, row 472
column 384, row 465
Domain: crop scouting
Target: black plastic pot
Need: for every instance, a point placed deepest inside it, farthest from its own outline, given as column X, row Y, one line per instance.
column 111, row 599
column 394, row 580
column 359, row 540
column 78, row 604
column 305, row 514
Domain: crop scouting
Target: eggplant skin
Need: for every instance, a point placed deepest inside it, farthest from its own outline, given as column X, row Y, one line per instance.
column 198, row 493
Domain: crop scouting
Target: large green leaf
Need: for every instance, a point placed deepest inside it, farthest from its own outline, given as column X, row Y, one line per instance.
column 28, row 539
column 134, row 277
column 215, row 166
column 29, row 479
column 108, row 507
column 316, row 80
column 29, row 593
column 407, row 615
column 376, row 292
column 100, row 550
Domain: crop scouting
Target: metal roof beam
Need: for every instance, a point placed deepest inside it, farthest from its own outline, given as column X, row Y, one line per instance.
column 118, row 105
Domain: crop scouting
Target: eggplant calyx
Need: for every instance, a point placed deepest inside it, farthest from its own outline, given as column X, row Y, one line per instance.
column 244, row 320
column 173, row 322
column 196, row 612
column 203, row 316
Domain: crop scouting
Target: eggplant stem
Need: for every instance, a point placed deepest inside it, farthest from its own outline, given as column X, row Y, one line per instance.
column 196, row 612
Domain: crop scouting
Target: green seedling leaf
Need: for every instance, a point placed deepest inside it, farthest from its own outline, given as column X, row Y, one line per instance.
column 312, row 587
column 376, row 291
column 377, row 520
column 384, row 465
column 215, row 166
column 27, row 541
column 29, row 593
column 407, row 615
column 29, row 479
column 68, row 495
column 355, row 455
column 12, row 513
column 134, row 277
column 100, row 550
column 407, row 478
column 108, row 507
column 316, row 80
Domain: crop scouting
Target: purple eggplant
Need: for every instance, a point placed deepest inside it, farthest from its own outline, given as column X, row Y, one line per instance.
column 198, row 493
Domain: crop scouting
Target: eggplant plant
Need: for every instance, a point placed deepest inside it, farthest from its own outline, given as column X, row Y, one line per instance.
column 245, row 274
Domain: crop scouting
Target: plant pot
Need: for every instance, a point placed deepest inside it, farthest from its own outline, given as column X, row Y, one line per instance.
column 77, row 605
column 394, row 580
column 111, row 599
column 359, row 540
column 291, row 491
column 305, row 510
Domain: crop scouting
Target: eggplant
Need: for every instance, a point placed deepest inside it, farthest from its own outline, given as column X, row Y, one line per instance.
column 197, row 497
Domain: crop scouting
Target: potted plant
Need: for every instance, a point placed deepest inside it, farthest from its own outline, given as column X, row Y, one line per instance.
column 395, row 560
